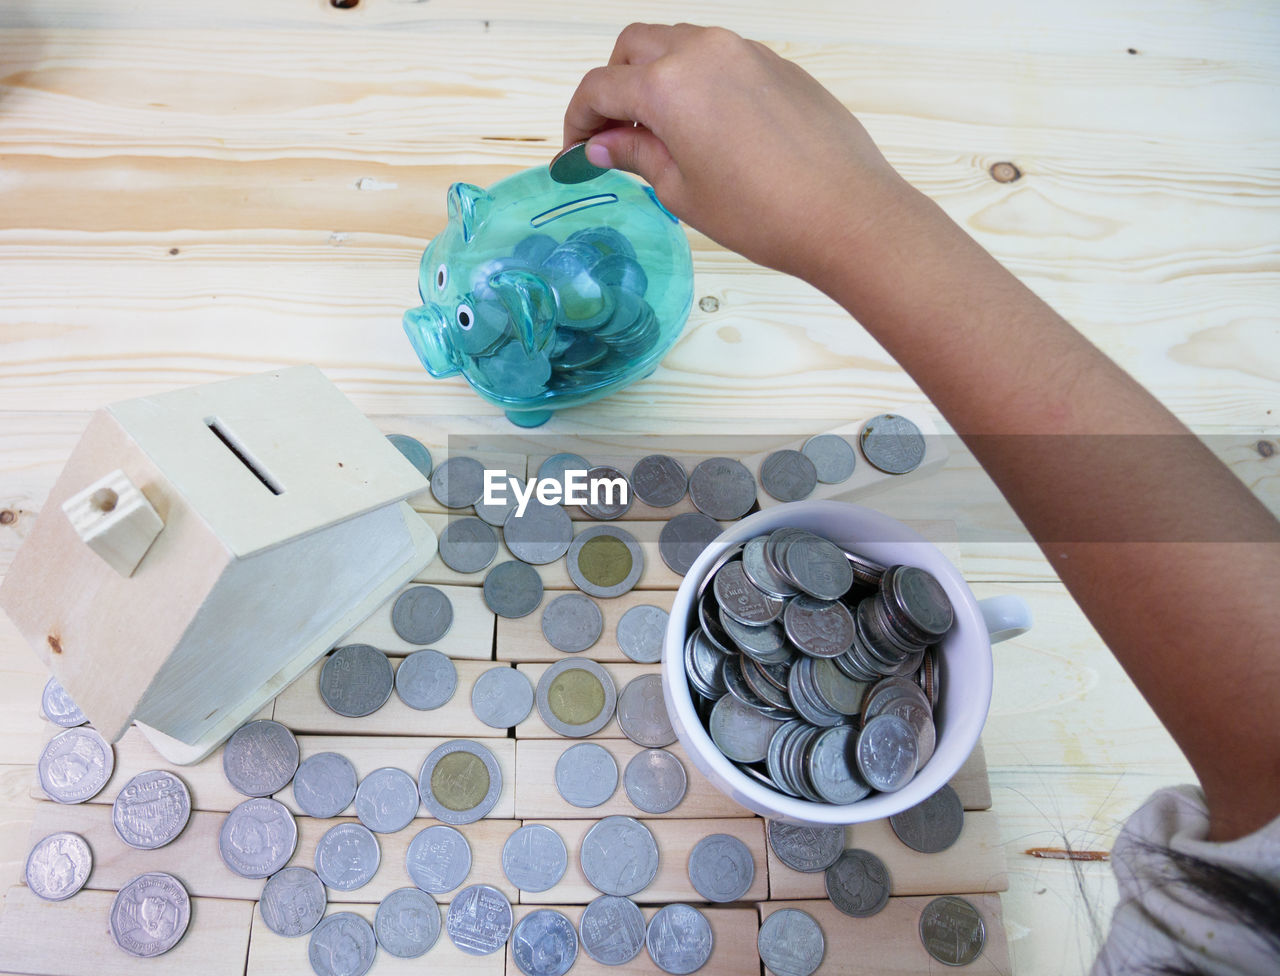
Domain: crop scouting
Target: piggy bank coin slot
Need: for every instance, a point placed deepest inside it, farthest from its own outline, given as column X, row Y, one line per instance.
column 574, row 206
column 243, row 455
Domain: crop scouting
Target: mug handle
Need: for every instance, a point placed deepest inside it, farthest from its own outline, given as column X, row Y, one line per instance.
column 1005, row 616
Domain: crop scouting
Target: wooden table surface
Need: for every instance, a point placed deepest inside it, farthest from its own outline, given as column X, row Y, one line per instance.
column 190, row 192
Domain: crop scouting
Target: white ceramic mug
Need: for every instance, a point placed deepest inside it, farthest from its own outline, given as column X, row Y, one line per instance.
column 965, row 659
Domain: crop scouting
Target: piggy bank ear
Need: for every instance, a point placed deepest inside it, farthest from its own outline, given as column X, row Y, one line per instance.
column 469, row 206
column 531, row 305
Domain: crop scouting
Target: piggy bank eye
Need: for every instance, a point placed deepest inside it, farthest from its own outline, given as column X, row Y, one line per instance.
column 442, row 277
column 465, row 317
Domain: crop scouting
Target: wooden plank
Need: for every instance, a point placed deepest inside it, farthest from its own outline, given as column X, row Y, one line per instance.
column 888, row 943
column 522, row 640
column 17, row 809
column 675, row 839
column 71, row 938
column 470, row 636
column 534, row 727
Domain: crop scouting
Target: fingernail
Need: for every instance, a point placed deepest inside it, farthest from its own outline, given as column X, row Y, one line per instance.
column 598, row 155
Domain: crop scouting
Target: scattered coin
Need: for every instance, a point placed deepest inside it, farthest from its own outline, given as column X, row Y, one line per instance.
column 541, row 535
column 421, row 615
column 642, row 713
column 58, row 707
column 612, row 930
column 722, row 488
column 258, row 838
column 952, row 931
column 460, row 782
column 679, row 939
column 641, row 633
column 544, row 943
column 586, row 775
column 555, row 467
column 58, row 866
column 75, row 765
column 343, row 944
column 576, row 698
column 438, row 859
column 683, row 538
column 479, row 920
column 932, row 825
column 534, row 858
column 570, row 165
column 605, row 561
column 655, row 781
column 150, row 914
column 858, row 883
column 293, row 902
column 347, row 856
column 791, row 943
column 572, row 622
column 458, row 482
column 467, row 545
column 324, row 785
column 619, row 856
column 502, row 697
column 356, row 680
column 407, row 923
column 497, row 513
column 151, row 810
column 414, row 451
column 892, row 443
column 608, row 493
column 659, row 480
column 788, row 475
column 832, row 456
column 426, row 679
column 513, row 589
column 387, row 800
column 721, row 868
column 260, row 758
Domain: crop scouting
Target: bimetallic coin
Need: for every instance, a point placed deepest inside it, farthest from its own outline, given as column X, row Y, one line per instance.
column 619, row 856
column 788, row 475
column 858, row 883
column 534, row 858
column 586, row 775
column 421, row 615
column 260, row 758
column 932, row 825
column 952, row 931
column 414, row 451
column 741, row 732
column 58, row 866
column 58, row 707
column 887, row 752
column 605, row 561
column 576, row 698
column 468, row 545
column 407, row 923
column 570, row 165
column 608, row 493
column 502, row 697
column 612, row 930
column 512, row 589
column 541, row 535
column 679, row 939
column 387, row 800
column 892, row 443
column 721, row 868
column 655, row 781
column 343, row 944
column 642, row 713
column 641, row 633
column 804, row 847
column 791, row 943
column 544, row 943
column 293, row 902
column 151, row 810
column 683, row 538
column 150, row 915
column 356, row 680
column 438, row 859
column 460, row 782
column 572, row 622
column 258, row 838
column 659, row 480
column 426, row 679
column 75, row 765
column 347, row 856
column 458, row 482
column 479, row 920
column 832, row 456
column 324, row 785
column 722, row 489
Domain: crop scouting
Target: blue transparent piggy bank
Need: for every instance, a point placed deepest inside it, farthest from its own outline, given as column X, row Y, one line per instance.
column 545, row 296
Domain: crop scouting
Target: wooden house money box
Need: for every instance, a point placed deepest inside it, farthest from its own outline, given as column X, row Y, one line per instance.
column 203, row 548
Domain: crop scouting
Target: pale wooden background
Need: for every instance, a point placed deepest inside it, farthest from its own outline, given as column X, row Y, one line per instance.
column 180, row 202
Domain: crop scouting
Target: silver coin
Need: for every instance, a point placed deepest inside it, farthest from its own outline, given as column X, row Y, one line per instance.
column 324, row 785
column 387, row 800
column 258, row 837
column 150, row 914
column 75, row 765
column 426, row 679
column 347, row 856
column 833, row 457
column 554, row 468
column 58, row 866
column 151, row 809
column 920, row 718
column 421, row 615
column 742, row 600
column 858, row 883
column 721, row 868
column 828, row 762
column 722, row 489
column 837, row 691
column 458, row 482
column 788, row 475
column 761, row 573
column 655, row 781
column 816, row 566
column 572, row 622
column 892, row 443
column 952, row 930
column 502, row 697
column 544, row 943
column 805, row 847
column 496, row 514
column 414, row 451
column 819, row 628
column 479, row 920
column 541, row 535
column 460, row 782
column 683, row 538
column 293, row 902
column 679, row 939
column 741, row 732
column 619, row 856
column 468, row 545
column 791, row 943
column 534, row 858
column 887, row 752
column 767, row 644
column 586, row 774
column 642, row 713
column 260, row 758
column 576, row 698
column 932, row 825
column 356, row 680
column 659, row 480
column 612, row 930
column 608, row 493
column 407, row 923
column 570, row 165
column 343, row 944
column 438, row 859
column 58, row 707
column 916, row 595
column 512, row 589
column 641, row 633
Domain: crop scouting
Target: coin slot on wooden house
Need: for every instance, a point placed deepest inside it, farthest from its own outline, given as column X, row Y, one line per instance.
column 243, row 455
column 572, row 207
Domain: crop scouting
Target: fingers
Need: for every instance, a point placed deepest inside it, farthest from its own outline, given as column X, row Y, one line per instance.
column 642, row 43
column 636, row 150
column 604, row 96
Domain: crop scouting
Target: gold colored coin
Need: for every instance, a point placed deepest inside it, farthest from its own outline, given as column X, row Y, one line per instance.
column 576, row 696
column 459, row 781
column 605, row 560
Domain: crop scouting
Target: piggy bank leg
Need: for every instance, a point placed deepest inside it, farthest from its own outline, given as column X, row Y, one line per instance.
column 529, row 418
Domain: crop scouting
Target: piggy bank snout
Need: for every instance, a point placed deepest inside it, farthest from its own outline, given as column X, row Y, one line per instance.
column 427, row 329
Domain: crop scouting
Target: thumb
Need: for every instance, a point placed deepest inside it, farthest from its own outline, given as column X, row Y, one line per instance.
column 631, row 148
